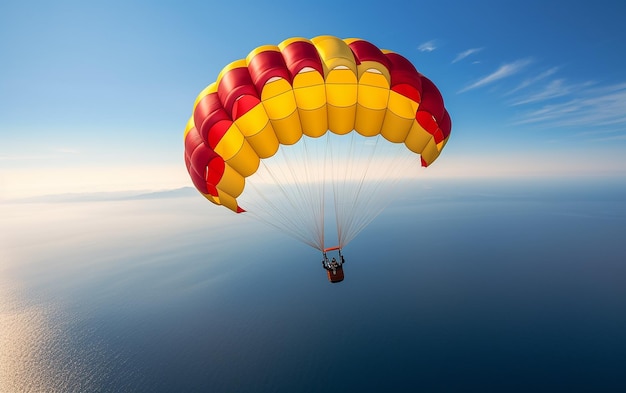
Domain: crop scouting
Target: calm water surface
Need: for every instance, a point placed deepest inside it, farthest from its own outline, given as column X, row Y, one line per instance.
column 461, row 287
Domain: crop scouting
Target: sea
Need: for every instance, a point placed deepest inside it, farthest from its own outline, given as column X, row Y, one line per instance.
column 460, row 285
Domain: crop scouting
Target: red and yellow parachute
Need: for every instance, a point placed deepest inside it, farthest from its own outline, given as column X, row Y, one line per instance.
column 277, row 94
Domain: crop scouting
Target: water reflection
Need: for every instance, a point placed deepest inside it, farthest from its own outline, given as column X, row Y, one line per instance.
column 490, row 287
column 82, row 282
column 36, row 352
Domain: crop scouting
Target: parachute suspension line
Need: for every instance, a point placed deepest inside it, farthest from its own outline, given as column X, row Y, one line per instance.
column 323, row 187
column 294, row 204
column 329, row 169
column 334, row 178
column 349, row 201
column 289, row 190
column 351, row 215
column 274, row 224
column 397, row 163
column 315, row 186
column 366, row 177
column 373, row 194
column 305, row 180
column 271, row 211
column 342, row 163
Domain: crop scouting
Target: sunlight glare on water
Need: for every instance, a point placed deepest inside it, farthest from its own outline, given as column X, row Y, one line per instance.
column 35, row 351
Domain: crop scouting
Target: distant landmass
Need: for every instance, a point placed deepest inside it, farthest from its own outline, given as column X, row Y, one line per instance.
column 108, row 196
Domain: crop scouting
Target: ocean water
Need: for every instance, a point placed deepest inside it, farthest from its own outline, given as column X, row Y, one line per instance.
column 459, row 286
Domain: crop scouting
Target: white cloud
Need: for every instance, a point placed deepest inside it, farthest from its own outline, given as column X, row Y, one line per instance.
column 554, row 89
column 465, row 54
column 599, row 110
column 427, row 46
column 533, row 80
column 504, row 71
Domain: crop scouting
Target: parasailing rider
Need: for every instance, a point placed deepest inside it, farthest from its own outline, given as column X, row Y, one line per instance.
column 334, row 267
column 332, row 264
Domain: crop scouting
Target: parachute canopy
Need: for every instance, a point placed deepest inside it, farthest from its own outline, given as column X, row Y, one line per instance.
column 304, row 89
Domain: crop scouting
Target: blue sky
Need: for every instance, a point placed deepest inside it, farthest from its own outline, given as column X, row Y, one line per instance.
column 95, row 95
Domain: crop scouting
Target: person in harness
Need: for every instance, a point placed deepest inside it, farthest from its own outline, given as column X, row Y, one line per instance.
column 333, row 266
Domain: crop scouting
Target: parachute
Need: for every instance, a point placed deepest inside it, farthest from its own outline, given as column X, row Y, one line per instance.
column 308, row 127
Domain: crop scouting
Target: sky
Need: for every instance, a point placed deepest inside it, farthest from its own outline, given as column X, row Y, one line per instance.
column 95, row 95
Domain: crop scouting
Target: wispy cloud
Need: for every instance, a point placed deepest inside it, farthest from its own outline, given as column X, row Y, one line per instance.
column 428, row 46
column 596, row 109
column 465, row 54
column 554, row 89
column 531, row 81
column 504, row 71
